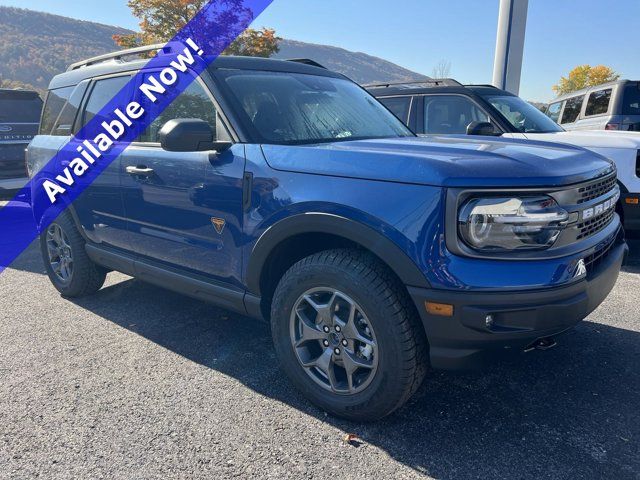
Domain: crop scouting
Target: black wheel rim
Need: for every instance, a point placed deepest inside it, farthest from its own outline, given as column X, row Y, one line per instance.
column 334, row 341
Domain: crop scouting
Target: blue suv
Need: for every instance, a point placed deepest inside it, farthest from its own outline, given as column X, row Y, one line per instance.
column 285, row 192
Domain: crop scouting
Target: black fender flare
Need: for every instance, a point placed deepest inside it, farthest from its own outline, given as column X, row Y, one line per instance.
column 382, row 247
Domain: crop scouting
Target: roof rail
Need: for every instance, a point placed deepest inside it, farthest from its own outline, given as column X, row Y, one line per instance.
column 488, row 85
column 120, row 55
column 446, row 82
column 306, row 61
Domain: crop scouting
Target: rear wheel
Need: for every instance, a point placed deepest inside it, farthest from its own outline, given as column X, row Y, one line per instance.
column 69, row 267
column 347, row 335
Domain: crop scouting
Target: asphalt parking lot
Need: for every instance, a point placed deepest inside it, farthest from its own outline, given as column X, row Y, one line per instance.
column 138, row 382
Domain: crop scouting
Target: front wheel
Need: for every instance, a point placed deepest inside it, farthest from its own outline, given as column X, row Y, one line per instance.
column 347, row 335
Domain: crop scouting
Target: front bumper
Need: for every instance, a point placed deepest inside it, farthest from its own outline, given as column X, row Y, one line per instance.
column 464, row 341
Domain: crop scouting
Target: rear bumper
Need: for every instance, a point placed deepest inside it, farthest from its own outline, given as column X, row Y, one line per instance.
column 464, row 340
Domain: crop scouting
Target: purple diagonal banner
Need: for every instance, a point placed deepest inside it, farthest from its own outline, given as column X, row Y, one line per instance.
column 61, row 180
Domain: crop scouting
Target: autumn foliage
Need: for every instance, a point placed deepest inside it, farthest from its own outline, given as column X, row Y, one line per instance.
column 585, row 76
column 160, row 20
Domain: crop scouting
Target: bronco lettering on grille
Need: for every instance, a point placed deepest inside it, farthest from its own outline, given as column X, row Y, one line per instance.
column 601, row 207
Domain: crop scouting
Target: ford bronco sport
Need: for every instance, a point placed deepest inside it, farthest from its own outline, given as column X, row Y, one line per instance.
column 286, row 192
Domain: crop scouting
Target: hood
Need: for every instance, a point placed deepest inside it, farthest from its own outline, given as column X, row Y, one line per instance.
column 444, row 161
column 592, row 138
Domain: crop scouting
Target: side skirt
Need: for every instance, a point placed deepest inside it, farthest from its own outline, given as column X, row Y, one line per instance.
column 182, row 282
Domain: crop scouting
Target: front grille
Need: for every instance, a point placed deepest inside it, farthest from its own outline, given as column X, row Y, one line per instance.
column 596, row 258
column 594, row 225
column 596, row 189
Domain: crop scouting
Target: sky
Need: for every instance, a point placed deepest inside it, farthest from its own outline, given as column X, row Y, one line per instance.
column 417, row 34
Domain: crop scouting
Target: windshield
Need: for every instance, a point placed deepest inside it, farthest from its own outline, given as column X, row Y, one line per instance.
column 524, row 117
column 293, row 108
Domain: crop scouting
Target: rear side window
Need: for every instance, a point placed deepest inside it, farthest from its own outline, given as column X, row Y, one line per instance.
column 553, row 111
column 103, row 91
column 598, row 102
column 56, row 100
column 572, row 109
column 399, row 106
column 631, row 103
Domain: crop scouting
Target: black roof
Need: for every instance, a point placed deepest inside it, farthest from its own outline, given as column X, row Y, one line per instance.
column 412, row 89
column 73, row 77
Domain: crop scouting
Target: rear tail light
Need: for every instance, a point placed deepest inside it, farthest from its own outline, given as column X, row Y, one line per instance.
column 612, row 126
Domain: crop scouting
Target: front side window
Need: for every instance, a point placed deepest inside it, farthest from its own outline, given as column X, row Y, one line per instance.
column 450, row 114
column 523, row 116
column 631, row 101
column 295, row 108
column 399, row 106
column 572, row 109
column 598, row 102
column 193, row 102
column 553, row 112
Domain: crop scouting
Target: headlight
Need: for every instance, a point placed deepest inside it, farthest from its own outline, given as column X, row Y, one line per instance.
column 511, row 223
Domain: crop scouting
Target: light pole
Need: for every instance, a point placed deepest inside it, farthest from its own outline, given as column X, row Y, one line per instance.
column 507, row 65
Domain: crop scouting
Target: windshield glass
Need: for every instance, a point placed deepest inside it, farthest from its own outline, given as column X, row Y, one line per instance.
column 293, row 108
column 524, row 117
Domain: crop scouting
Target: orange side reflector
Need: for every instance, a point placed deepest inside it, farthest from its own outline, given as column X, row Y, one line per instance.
column 442, row 309
column 632, row 201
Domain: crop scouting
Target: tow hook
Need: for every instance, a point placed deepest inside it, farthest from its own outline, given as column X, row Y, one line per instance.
column 544, row 343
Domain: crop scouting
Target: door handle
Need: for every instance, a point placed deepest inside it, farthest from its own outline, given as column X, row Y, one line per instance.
column 142, row 171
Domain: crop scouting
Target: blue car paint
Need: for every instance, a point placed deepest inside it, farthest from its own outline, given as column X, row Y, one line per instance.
column 443, row 162
column 395, row 187
column 410, row 215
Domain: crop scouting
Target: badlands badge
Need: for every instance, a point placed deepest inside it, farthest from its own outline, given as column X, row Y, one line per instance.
column 218, row 224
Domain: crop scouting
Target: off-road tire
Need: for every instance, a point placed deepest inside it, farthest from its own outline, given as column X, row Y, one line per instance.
column 402, row 345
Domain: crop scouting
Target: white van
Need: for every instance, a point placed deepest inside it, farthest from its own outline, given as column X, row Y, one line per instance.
column 610, row 106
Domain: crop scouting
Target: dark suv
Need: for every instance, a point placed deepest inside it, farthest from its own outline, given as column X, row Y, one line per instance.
column 19, row 117
column 286, row 192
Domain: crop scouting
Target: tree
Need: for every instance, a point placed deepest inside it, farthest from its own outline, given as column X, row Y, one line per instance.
column 160, row 20
column 585, row 76
column 442, row 69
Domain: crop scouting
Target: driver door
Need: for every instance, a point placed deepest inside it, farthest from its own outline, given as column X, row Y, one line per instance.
column 173, row 200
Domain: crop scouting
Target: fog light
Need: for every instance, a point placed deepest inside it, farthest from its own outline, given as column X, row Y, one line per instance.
column 441, row 309
column 488, row 321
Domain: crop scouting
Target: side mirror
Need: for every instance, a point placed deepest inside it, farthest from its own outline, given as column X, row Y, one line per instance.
column 482, row 128
column 189, row 135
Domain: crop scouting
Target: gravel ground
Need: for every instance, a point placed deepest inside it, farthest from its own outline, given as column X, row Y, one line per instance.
column 138, row 382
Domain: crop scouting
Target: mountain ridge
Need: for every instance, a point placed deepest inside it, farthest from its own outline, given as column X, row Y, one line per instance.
column 35, row 46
